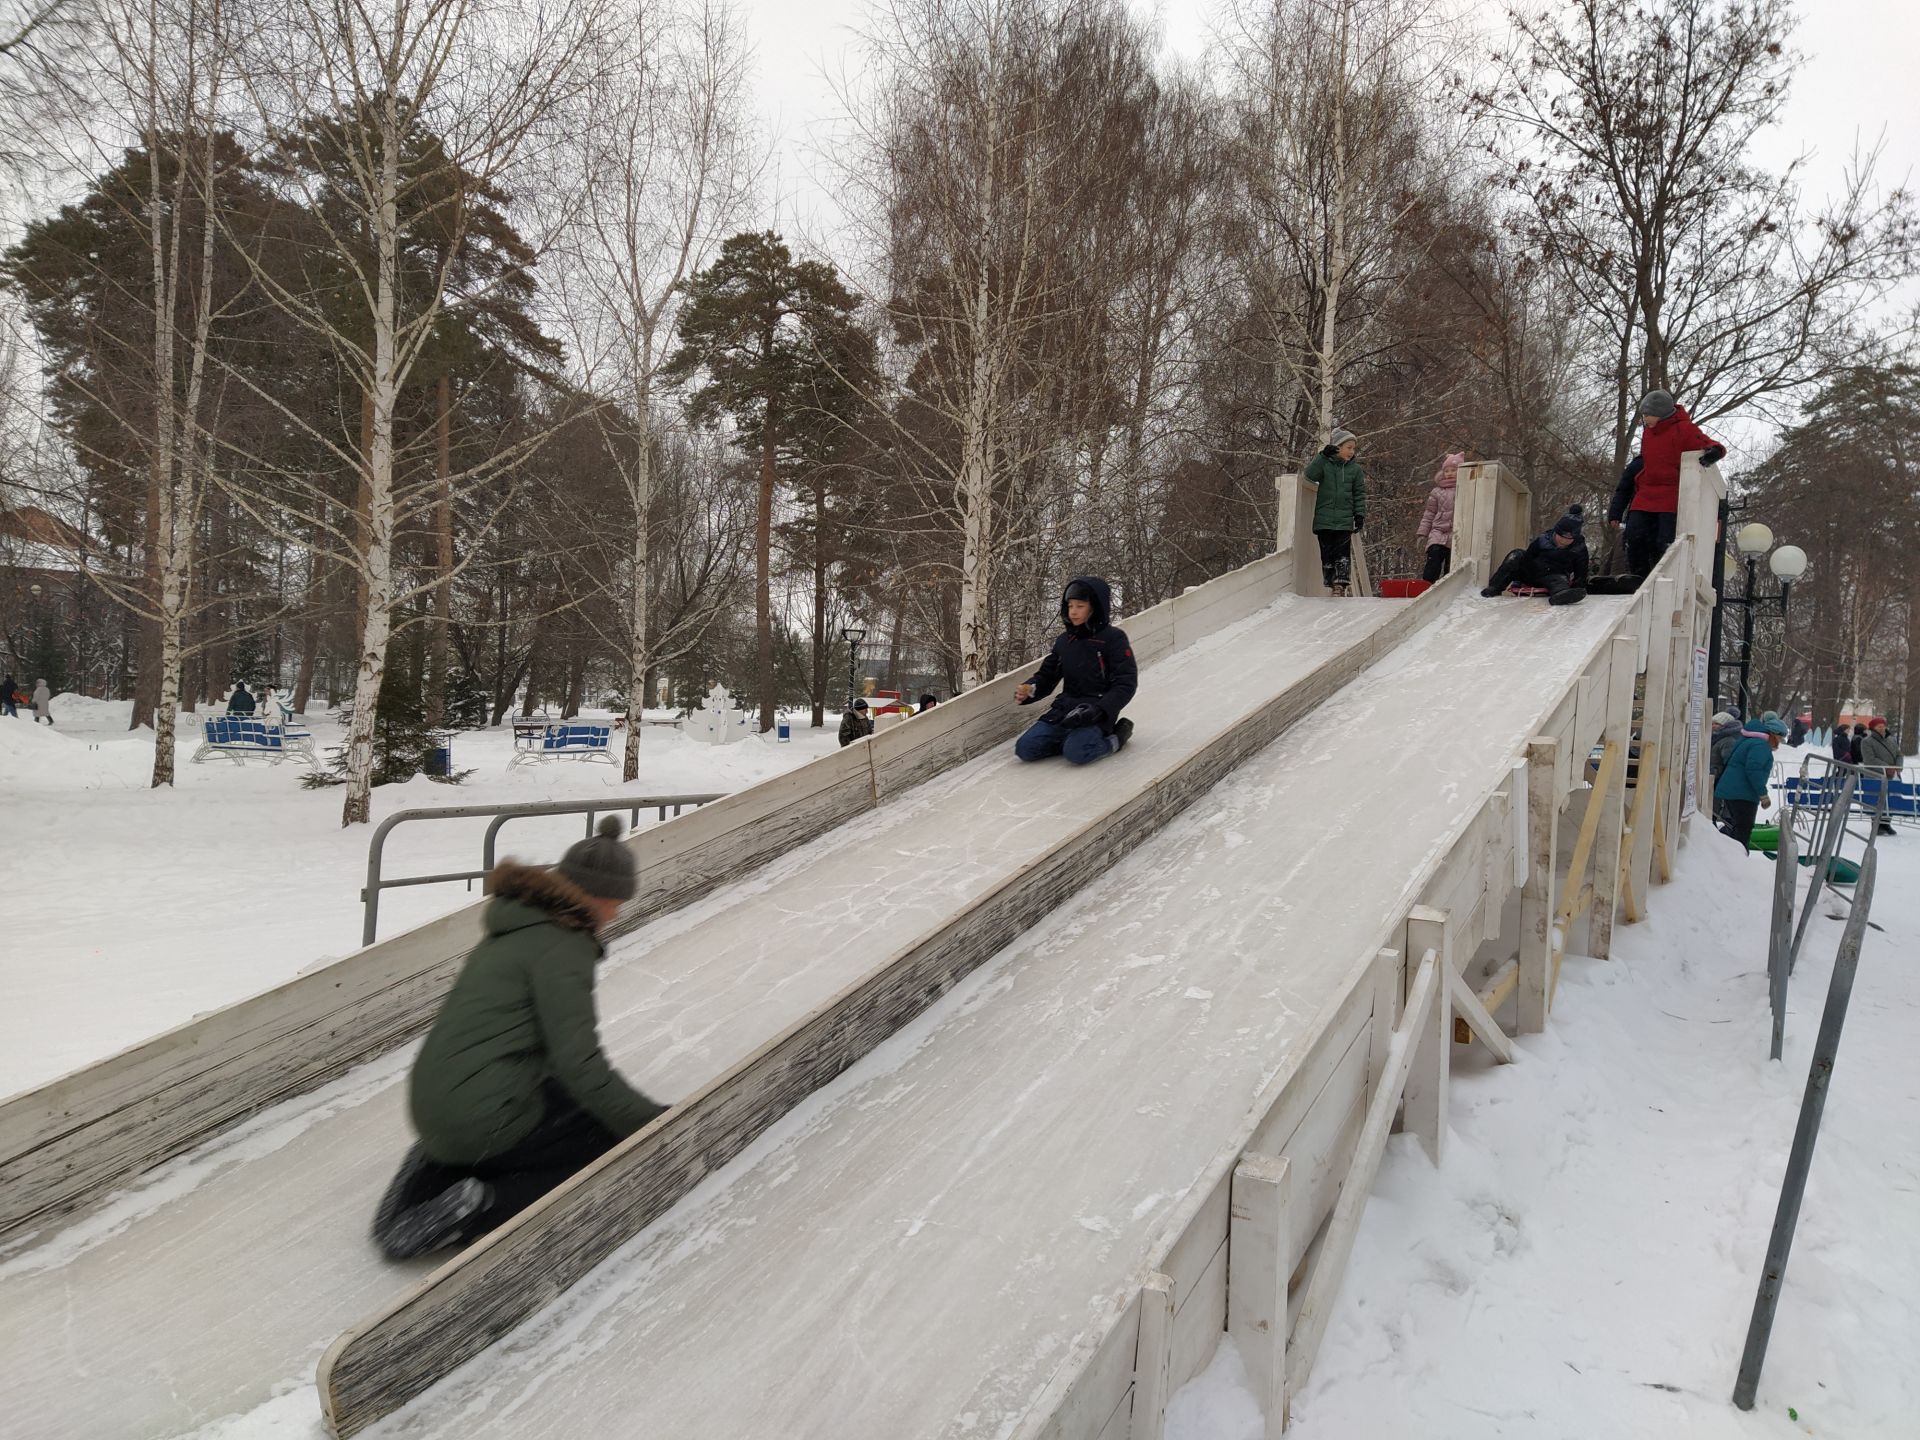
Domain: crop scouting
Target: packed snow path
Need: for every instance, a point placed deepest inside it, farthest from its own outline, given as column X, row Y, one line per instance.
column 214, row 1286
column 915, row 1251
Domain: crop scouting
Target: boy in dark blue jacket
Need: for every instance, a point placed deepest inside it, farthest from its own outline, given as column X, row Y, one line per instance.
column 1555, row 561
column 1092, row 662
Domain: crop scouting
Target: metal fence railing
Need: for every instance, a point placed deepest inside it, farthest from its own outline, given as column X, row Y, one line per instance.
column 376, row 882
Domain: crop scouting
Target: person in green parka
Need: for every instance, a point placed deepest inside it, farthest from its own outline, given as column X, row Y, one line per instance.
column 511, row 1093
column 1339, row 509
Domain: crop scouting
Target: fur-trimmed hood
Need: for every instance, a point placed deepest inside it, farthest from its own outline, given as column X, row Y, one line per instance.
column 564, row 903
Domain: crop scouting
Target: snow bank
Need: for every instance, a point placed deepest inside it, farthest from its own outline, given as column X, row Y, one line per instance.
column 131, row 910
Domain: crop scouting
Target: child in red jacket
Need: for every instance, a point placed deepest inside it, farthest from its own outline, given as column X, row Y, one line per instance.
column 1649, row 492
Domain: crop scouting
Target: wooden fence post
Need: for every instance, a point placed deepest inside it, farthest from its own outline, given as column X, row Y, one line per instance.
column 1259, row 1265
column 1545, row 791
column 1621, row 655
column 1429, row 929
column 1153, row 1359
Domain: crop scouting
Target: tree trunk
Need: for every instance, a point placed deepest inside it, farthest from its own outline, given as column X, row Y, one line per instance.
column 1337, row 257
column 438, row 639
column 1910, row 693
column 641, row 497
column 820, row 602
column 763, row 573
column 976, row 501
column 376, row 569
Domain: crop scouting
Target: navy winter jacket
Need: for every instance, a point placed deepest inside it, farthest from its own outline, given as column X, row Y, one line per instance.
column 1092, row 663
column 1545, row 558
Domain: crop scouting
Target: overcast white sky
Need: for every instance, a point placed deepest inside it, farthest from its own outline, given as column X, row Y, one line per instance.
column 1857, row 85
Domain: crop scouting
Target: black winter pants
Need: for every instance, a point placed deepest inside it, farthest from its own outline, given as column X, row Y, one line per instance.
column 1740, row 815
column 1439, row 562
column 1647, row 535
column 1336, row 556
column 566, row 1140
column 1514, row 570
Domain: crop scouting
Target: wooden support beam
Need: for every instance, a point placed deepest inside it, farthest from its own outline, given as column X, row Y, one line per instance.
column 1655, row 709
column 1429, row 929
column 1545, row 790
column 1637, row 826
column 1478, row 1020
column 1387, row 994
column 1323, row 1284
column 1153, row 1359
column 1259, row 1265
column 1613, row 801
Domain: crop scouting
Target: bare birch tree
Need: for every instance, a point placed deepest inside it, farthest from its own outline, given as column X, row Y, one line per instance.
column 401, row 117
column 665, row 166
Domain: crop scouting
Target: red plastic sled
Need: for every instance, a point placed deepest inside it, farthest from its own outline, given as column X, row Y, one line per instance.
column 1527, row 590
column 1403, row 589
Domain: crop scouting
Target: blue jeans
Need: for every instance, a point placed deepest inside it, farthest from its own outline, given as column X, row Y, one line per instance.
column 1083, row 746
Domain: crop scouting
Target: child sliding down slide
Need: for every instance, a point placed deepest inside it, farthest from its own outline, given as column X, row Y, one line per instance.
column 1092, row 661
column 1555, row 562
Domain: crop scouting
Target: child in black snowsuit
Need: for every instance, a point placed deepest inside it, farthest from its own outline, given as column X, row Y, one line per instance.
column 1555, row 561
column 1093, row 662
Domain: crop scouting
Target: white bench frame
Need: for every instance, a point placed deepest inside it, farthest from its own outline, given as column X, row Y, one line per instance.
column 292, row 742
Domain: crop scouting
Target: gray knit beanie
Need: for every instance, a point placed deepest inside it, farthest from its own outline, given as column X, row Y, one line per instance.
column 600, row 864
column 1340, row 437
column 1657, row 403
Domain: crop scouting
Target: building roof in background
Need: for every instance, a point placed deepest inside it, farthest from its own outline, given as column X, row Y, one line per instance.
column 33, row 539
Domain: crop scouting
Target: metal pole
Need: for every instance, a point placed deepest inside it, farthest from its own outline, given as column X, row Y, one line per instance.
column 1713, row 631
column 1746, row 643
column 1786, row 872
column 1800, row 1159
column 1836, row 821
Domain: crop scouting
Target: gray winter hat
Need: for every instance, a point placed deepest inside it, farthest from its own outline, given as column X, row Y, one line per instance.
column 1340, row 437
column 1657, row 403
column 600, row 864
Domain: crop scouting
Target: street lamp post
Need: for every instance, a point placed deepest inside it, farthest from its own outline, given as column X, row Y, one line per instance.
column 853, row 632
column 1787, row 564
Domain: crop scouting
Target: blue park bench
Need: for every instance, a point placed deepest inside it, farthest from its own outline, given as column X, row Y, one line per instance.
column 1902, row 799
column 239, row 738
column 564, row 740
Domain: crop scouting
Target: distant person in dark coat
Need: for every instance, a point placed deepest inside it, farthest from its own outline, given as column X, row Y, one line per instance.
column 511, row 1093
column 927, row 702
column 42, row 703
column 1556, row 562
column 8, row 705
column 1879, row 754
column 240, row 702
column 856, row 724
column 1854, row 746
column 1092, row 663
column 1797, row 731
column 1742, row 788
column 1648, row 497
column 1842, row 744
column 1726, row 735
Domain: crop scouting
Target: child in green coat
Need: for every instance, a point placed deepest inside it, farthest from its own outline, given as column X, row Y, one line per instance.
column 511, row 1093
column 1339, row 509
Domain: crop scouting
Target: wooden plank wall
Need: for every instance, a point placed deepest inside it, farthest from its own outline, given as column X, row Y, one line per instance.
column 488, row 1289
column 67, row 1142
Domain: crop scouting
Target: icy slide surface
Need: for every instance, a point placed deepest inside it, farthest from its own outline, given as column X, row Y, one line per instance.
column 914, row 1251
column 216, row 1284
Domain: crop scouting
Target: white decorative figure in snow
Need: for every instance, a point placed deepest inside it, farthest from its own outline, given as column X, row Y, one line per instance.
column 718, row 721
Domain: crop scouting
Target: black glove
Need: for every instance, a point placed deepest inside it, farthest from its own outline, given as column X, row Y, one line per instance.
column 1081, row 715
column 1332, row 452
column 1359, row 522
column 1712, row 453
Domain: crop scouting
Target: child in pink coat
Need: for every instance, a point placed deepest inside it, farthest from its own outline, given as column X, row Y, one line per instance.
column 1436, row 521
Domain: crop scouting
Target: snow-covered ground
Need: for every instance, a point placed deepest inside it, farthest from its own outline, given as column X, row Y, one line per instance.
column 1583, row 1265
column 126, row 911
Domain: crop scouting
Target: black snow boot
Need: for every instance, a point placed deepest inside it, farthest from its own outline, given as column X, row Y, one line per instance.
column 1572, row 595
column 1123, row 732
column 426, row 1207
